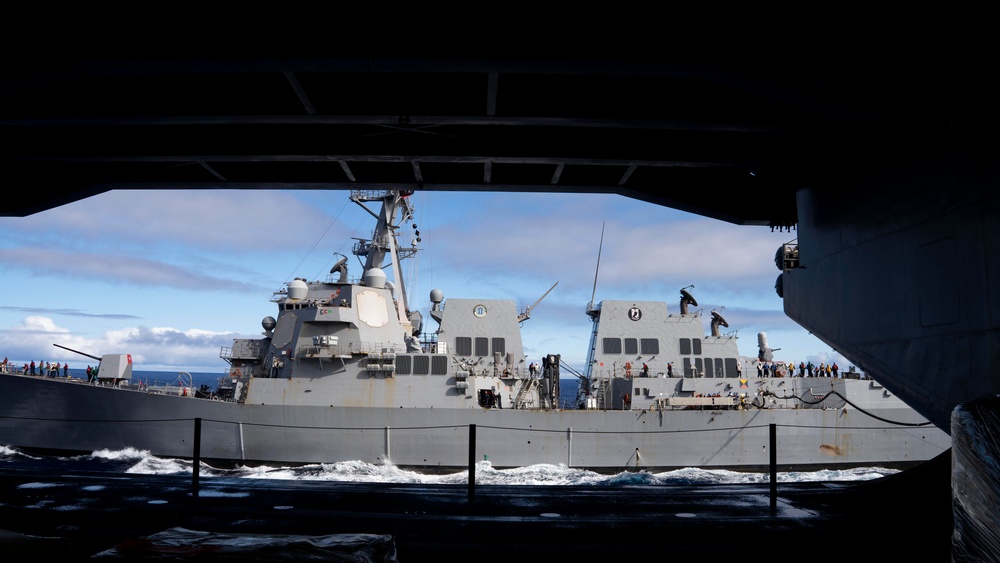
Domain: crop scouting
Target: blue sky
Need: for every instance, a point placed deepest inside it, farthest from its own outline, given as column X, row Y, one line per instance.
column 173, row 276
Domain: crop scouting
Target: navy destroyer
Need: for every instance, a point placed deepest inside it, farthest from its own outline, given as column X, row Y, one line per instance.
column 346, row 371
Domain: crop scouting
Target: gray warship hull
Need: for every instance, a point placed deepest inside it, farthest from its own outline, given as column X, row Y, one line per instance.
column 64, row 416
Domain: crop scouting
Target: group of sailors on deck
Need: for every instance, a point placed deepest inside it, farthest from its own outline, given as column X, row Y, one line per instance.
column 51, row 369
column 807, row 369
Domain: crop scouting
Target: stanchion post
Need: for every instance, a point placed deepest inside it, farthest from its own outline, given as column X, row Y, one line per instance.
column 774, row 466
column 196, row 457
column 472, row 461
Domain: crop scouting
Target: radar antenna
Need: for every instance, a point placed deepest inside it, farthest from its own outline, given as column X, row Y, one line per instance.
column 342, row 266
column 717, row 321
column 687, row 299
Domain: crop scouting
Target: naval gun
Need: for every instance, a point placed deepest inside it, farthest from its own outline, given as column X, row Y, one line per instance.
column 114, row 367
column 764, row 352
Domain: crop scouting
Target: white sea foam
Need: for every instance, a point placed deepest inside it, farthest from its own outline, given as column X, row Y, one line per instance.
column 486, row 474
column 131, row 461
column 123, row 454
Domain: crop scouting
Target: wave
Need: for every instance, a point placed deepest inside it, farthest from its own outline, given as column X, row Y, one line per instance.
column 131, row 461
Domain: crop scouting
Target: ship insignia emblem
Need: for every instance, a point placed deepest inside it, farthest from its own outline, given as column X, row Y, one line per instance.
column 634, row 313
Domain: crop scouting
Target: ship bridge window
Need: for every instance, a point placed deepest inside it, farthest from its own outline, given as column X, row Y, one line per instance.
column 404, row 365
column 649, row 346
column 731, row 367
column 612, row 346
column 480, row 346
column 690, row 346
column 439, row 365
column 421, row 365
column 714, row 367
column 631, row 346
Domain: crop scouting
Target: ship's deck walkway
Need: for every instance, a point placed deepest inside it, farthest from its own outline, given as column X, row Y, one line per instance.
column 78, row 515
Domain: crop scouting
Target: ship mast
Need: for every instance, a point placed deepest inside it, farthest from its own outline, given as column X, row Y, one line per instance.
column 383, row 248
column 595, row 314
column 590, row 306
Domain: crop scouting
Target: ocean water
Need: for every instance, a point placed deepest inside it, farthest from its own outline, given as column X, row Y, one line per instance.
column 131, row 461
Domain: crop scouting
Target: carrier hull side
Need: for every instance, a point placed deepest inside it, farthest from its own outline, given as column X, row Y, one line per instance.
column 56, row 415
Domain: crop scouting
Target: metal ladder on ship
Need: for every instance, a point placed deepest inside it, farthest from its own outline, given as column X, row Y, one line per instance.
column 526, row 385
column 603, row 389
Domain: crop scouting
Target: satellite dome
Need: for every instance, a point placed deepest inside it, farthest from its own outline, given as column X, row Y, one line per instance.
column 437, row 296
column 268, row 323
column 375, row 277
column 297, row 289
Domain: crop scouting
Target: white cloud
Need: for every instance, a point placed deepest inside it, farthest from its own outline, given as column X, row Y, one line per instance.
column 151, row 348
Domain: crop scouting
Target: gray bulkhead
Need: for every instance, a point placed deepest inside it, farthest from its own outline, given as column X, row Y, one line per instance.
column 645, row 332
column 674, row 348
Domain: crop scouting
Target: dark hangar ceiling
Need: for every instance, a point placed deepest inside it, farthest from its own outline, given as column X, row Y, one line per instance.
column 728, row 139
